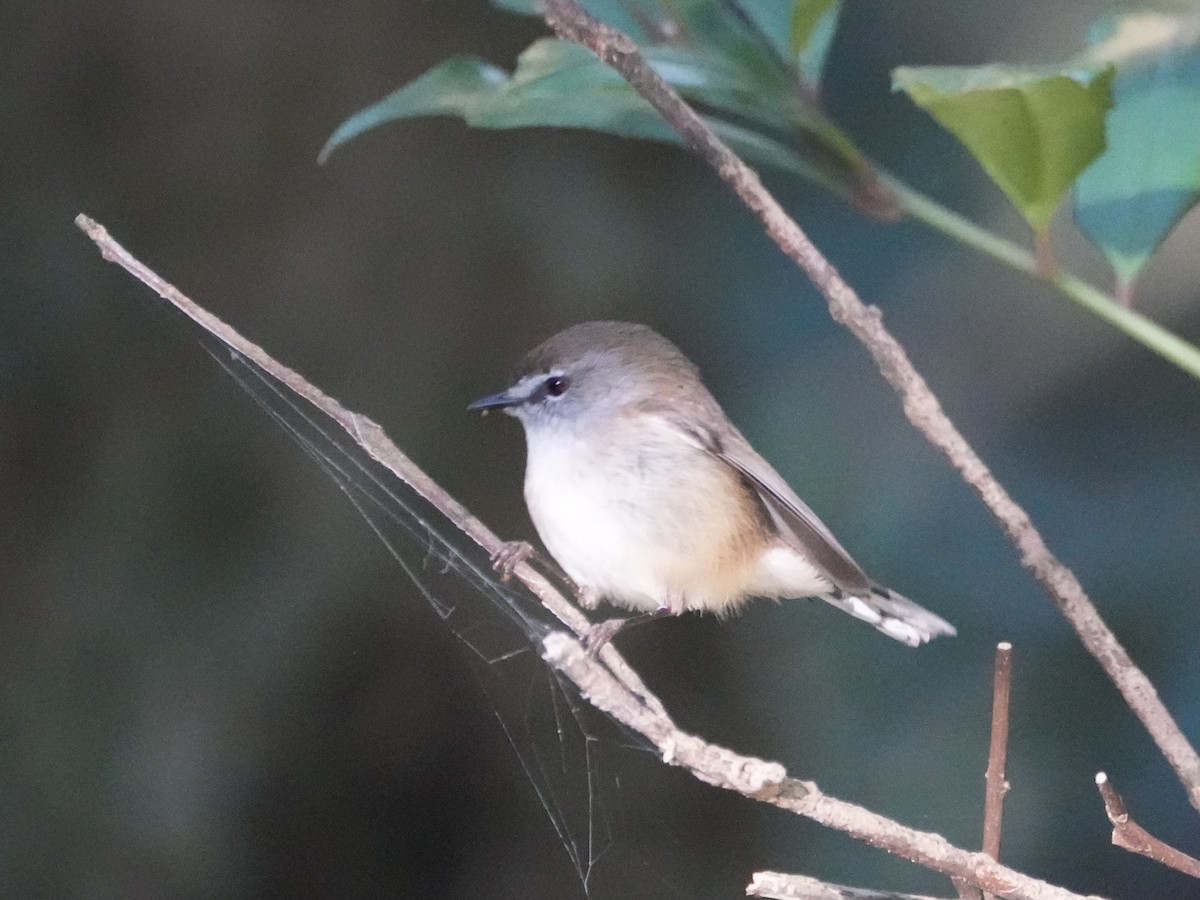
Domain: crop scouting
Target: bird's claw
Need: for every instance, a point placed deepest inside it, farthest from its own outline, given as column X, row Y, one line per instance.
column 600, row 634
column 510, row 555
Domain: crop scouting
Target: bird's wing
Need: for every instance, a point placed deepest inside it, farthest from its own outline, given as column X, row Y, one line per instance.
column 795, row 522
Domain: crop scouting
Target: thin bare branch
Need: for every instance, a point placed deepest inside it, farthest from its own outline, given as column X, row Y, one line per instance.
column 1129, row 835
column 996, row 785
column 608, row 683
column 572, row 22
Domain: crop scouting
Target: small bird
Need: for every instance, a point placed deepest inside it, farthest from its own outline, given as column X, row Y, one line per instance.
column 648, row 496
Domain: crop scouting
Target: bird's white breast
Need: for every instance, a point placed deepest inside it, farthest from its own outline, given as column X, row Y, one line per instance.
column 587, row 510
column 649, row 519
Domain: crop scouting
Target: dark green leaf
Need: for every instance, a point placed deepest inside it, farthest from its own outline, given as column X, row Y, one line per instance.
column 454, row 88
column 717, row 83
column 556, row 84
column 798, row 32
column 1032, row 129
column 725, row 66
column 1128, row 201
column 812, row 27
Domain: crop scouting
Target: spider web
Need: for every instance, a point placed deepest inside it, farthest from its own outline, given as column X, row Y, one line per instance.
column 562, row 743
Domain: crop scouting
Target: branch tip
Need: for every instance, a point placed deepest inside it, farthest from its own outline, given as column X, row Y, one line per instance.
column 1129, row 835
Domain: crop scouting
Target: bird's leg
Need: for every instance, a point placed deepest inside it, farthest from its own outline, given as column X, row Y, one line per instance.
column 601, row 633
column 510, row 555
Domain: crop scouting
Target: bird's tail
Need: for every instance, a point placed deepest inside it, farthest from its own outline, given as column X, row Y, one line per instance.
column 894, row 615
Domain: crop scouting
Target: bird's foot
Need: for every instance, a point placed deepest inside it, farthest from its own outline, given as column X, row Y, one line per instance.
column 600, row 634
column 510, row 555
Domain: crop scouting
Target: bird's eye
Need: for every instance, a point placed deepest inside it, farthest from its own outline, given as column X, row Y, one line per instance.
column 556, row 385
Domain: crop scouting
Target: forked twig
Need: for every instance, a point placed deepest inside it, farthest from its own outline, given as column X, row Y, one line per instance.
column 608, row 683
column 572, row 22
column 1129, row 835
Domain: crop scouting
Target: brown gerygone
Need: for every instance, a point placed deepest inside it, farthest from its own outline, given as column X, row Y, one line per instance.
column 649, row 497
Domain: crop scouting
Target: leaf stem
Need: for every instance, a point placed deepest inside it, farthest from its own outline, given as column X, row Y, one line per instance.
column 1150, row 334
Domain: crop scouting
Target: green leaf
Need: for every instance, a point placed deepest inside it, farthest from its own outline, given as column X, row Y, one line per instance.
column 741, row 81
column 799, row 32
column 720, row 82
column 1130, row 199
column 813, row 24
column 727, row 68
column 455, row 87
column 557, row 84
column 1032, row 129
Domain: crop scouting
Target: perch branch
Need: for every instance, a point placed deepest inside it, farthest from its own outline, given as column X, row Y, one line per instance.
column 368, row 435
column 609, row 683
column 770, row 783
column 1129, row 835
column 802, row 887
column 782, row 886
column 572, row 22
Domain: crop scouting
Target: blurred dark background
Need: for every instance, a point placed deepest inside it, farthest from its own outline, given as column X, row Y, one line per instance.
column 216, row 683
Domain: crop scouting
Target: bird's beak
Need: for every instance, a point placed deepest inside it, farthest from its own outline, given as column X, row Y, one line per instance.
column 502, row 400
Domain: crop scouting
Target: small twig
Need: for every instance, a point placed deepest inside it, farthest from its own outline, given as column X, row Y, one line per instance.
column 782, row 886
column 1129, row 835
column 996, row 785
column 572, row 22
column 610, row 684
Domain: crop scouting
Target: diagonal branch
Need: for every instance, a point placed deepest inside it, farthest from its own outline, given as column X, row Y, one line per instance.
column 572, row 22
column 781, row 886
column 609, row 683
column 769, row 783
